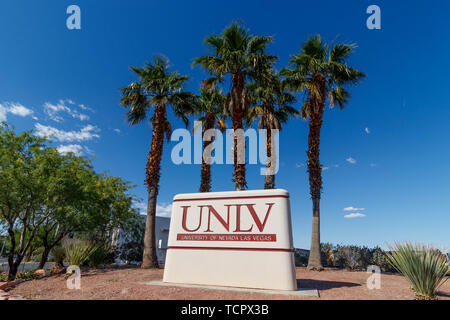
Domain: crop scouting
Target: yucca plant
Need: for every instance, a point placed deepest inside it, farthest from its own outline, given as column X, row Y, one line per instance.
column 78, row 251
column 425, row 267
column 101, row 255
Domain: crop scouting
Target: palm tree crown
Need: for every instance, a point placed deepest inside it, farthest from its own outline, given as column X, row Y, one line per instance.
column 241, row 55
column 272, row 105
column 322, row 72
column 156, row 87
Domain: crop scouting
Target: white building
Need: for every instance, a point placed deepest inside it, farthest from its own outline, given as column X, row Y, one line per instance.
column 162, row 235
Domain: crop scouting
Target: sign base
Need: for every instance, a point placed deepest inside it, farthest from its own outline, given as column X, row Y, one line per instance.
column 235, row 239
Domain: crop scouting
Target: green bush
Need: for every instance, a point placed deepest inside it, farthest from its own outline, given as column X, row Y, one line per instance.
column 3, row 276
column 424, row 266
column 131, row 251
column 352, row 257
column 78, row 251
column 380, row 258
column 300, row 260
column 26, row 275
column 104, row 254
column 58, row 255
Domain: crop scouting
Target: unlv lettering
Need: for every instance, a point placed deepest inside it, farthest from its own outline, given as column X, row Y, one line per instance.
column 214, row 214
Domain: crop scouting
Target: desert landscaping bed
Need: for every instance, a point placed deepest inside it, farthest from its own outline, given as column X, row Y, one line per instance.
column 125, row 283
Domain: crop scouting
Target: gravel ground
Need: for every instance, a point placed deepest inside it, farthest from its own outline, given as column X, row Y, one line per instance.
column 123, row 283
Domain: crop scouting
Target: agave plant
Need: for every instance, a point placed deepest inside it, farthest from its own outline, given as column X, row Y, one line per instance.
column 78, row 251
column 425, row 267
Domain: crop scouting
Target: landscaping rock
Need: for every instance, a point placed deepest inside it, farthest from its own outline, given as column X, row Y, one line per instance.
column 16, row 298
column 3, row 285
column 40, row 272
column 58, row 269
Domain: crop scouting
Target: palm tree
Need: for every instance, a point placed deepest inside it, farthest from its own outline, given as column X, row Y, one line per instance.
column 272, row 107
column 321, row 71
column 210, row 106
column 241, row 55
column 155, row 89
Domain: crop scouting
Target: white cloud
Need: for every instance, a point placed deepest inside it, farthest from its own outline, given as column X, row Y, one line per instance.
column 350, row 160
column 81, row 116
column 325, row 168
column 82, row 106
column 86, row 133
column 19, row 110
column 54, row 111
column 354, row 215
column 162, row 210
column 117, row 130
column 14, row 108
column 75, row 148
column 367, row 130
column 299, row 165
column 141, row 206
column 354, row 209
column 2, row 113
column 373, row 165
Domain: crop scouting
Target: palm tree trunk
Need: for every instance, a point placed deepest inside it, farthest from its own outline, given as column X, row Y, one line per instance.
column 149, row 259
column 269, row 180
column 237, row 94
column 315, row 183
column 205, row 184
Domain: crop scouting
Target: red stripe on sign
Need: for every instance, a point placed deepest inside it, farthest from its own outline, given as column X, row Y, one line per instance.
column 230, row 248
column 227, row 237
column 232, row 198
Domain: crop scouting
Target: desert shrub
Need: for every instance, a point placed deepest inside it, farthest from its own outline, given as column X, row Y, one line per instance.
column 26, row 275
column 3, row 276
column 131, row 251
column 78, row 251
column 58, row 255
column 425, row 267
column 348, row 257
column 352, row 257
column 300, row 260
column 103, row 254
column 380, row 258
column 327, row 254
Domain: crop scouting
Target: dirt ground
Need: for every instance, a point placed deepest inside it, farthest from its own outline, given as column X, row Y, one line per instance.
column 123, row 283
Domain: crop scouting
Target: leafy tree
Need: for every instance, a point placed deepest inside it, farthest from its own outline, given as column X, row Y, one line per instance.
column 241, row 55
column 321, row 71
column 85, row 204
column 272, row 105
column 22, row 190
column 45, row 196
column 155, row 89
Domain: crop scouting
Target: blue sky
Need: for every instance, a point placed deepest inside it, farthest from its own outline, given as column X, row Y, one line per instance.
column 66, row 82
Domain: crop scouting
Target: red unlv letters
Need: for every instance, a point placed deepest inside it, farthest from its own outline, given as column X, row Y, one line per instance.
column 199, row 218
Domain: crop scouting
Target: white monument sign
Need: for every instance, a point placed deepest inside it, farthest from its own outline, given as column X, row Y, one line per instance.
column 236, row 239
